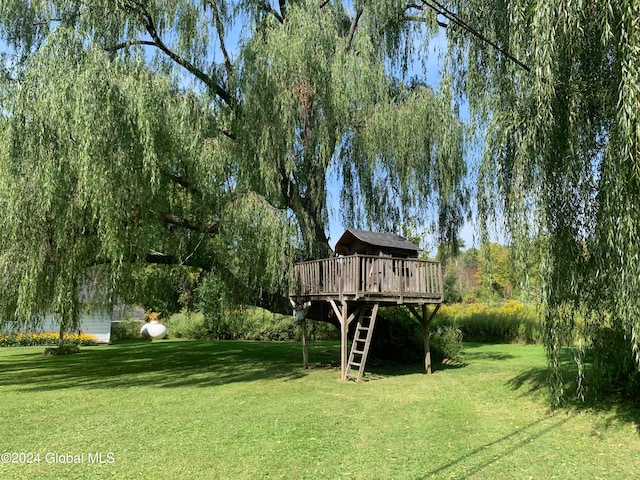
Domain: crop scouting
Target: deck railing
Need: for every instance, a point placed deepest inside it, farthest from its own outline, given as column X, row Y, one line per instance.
column 359, row 276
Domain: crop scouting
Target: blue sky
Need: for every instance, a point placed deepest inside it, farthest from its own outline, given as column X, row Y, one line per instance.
column 428, row 65
column 433, row 66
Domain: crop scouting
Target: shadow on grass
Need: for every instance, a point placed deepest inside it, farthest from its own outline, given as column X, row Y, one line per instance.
column 470, row 352
column 491, row 452
column 160, row 364
column 389, row 368
column 616, row 407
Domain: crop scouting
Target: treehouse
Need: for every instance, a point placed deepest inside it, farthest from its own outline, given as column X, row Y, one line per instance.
column 370, row 270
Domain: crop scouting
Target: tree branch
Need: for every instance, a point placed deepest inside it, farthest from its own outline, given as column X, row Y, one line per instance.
column 265, row 7
column 127, row 44
column 283, row 8
column 45, row 21
column 228, row 133
column 452, row 17
column 184, row 183
column 220, row 30
column 150, row 27
column 194, row 225
column 354, row 26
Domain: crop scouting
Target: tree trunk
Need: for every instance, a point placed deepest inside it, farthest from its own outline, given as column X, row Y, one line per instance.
column 427, row 348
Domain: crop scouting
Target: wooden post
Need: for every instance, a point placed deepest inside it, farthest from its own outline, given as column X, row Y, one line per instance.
column 305, row 353
column 300, row 314
column 427, row 343
column 425, row 322
column 341, row 314
column 344, row 333
column 345, row 320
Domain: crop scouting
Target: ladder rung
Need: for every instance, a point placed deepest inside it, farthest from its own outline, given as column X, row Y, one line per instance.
column 359, row 352
column 354, row 364
column 361, row 327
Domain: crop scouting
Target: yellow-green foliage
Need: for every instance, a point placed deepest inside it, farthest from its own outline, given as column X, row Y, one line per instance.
column 26, row 339
column 245, row 323
column 511, row 321
column 126, row 330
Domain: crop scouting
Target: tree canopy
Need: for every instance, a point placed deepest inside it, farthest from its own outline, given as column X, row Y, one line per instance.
column 561, row 161
column 201, row 134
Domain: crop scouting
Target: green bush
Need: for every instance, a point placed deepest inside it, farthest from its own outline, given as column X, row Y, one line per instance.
column 129, row 329
column 68, row 348
column 189, row 325
column 248, row 323
column 446, row 343
column 613, row 367
column 260, row 324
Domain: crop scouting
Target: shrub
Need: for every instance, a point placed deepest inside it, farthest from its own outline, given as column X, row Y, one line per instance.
column 187, row 324
column 244, row 323
column 446, row 343
column 613, row 367
column 250, row 323
column 129, row 329
column 68, row 348
column 83, row 339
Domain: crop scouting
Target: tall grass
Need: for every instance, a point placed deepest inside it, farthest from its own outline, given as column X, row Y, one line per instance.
column 511, row 322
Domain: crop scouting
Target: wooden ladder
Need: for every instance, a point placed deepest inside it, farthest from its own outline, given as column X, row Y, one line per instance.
column 362, row 341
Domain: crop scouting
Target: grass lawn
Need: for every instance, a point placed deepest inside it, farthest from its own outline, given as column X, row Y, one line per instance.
column 185, row 409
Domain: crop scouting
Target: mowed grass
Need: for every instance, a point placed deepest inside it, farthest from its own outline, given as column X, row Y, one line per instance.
column 244, row 410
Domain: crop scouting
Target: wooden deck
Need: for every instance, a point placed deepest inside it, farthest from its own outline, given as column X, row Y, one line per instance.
column 368, row 279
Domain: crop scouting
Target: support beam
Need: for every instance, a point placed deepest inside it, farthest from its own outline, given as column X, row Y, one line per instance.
column 427, row 341
column 300, row 314
column 425, row 322
column 305, row 352
column 345, row 319
column 344, row 353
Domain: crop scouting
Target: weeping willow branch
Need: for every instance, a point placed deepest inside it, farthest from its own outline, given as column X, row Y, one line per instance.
column 129, row 43
column 440, row 9
column 220, row 30
column 265, row 7
column 150, row 27
column 178, row 221
column 354, row 26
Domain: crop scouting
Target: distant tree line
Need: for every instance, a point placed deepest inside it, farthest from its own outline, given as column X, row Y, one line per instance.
column 487, row 274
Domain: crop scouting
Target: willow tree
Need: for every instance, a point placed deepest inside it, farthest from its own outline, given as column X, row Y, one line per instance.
column 142, row 131
column 555, row 86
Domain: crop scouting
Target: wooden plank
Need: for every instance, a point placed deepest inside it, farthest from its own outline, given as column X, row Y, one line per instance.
column 360, row 276
column 337, row 311
column 305, row 351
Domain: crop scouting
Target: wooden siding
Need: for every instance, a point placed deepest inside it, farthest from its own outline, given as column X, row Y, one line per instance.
column 94, row 321
column 369, row 278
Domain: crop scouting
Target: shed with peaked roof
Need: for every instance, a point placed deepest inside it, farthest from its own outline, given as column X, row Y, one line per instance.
column 363, row 242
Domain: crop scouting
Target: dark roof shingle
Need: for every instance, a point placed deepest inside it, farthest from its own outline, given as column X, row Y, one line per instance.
column 385, row 241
